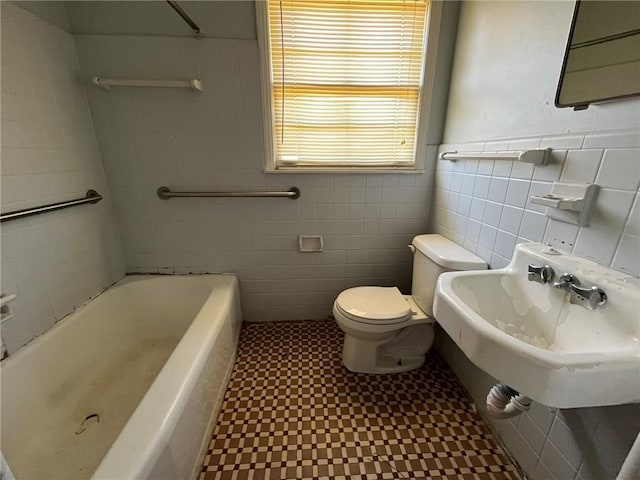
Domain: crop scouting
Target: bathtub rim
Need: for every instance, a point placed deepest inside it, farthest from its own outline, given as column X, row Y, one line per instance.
column 219, row 307
column 131, row 458
column 139, row 445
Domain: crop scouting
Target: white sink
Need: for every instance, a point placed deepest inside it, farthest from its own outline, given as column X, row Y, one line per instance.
column 529, row 336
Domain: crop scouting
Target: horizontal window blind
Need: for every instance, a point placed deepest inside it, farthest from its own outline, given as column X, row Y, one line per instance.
column 346, row 80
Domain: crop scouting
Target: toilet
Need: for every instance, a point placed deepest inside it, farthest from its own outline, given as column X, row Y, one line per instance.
column 387, row 332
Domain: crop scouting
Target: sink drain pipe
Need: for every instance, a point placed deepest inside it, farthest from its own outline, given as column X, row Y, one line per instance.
column 505, row 402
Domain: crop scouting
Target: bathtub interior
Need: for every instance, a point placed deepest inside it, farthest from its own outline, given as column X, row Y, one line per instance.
column 67, row 396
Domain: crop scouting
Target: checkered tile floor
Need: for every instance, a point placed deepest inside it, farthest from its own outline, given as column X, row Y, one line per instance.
column 292, row 411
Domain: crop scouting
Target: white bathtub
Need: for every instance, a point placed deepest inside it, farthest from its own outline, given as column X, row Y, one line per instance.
column 151, row 357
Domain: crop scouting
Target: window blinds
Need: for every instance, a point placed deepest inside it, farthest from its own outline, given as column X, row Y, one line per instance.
column 346, row 80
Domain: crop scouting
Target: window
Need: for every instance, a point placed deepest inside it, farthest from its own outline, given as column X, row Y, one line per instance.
column 343, row 83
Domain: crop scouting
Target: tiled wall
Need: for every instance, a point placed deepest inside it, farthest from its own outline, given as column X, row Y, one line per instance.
column 53, row 262
column 505, row 74
column 484, row 205
column 489, row 213
column 213, row 140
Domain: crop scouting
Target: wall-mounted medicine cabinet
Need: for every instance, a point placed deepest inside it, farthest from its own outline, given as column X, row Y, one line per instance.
column 602, row 58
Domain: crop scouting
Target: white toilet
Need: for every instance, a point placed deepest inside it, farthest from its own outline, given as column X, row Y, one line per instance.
column 388, row 332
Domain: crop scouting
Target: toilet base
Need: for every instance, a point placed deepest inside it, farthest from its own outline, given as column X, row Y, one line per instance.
column 402, row 352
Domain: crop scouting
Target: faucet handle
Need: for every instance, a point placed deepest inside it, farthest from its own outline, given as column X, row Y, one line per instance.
column 591, row 297
column 540, row 273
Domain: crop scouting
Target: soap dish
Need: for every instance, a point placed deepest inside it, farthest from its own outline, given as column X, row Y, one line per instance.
column 556, row 201
column 310, row 243
column 568, row 202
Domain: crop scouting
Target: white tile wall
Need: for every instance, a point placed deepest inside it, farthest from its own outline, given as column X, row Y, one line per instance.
column 54, row 262
column 581, row 444
column 503, row 208
column 213, row 140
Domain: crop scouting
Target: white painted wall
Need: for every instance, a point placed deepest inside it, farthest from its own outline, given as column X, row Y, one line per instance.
column 50, row 11
column 506, row 66
column 505, row 73
column 216, row 19
column 54, row 262
column 213, row 140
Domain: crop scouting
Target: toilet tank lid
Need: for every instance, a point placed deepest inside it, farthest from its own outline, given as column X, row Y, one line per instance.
column 448, row 254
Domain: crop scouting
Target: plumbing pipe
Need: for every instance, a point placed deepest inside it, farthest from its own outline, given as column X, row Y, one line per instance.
column 505, row 402
column 631, row 467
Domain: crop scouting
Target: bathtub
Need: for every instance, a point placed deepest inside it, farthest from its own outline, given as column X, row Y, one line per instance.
column 127, row 387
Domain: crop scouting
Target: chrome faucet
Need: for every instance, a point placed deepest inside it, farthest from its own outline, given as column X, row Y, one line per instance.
column 540, row 273
column 565, row 281
column 589, row 298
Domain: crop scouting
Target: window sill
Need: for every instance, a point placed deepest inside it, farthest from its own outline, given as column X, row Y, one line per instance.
column 349, row 170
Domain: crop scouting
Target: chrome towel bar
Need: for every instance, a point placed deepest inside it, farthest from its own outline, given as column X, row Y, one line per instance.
column 165, row 193
column 91, row 197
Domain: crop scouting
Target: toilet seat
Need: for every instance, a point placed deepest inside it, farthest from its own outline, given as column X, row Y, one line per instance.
column 374, row 305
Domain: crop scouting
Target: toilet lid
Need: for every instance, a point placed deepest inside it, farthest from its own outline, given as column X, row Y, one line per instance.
column 374, row 303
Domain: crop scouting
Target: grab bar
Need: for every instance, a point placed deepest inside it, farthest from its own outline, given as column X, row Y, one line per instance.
column 91, row 197
column 165, row 193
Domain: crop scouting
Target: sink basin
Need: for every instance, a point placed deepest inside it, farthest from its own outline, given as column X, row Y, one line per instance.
column 529, row 336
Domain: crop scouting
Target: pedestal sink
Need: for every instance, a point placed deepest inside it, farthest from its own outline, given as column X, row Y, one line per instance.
column 531, row 337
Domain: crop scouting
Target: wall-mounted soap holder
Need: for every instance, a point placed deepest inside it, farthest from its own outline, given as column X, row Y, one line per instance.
column 568, row 202
column 556, row 201
column 310, row 243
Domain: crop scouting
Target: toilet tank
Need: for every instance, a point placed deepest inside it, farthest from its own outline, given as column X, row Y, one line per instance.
column 433, row 255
